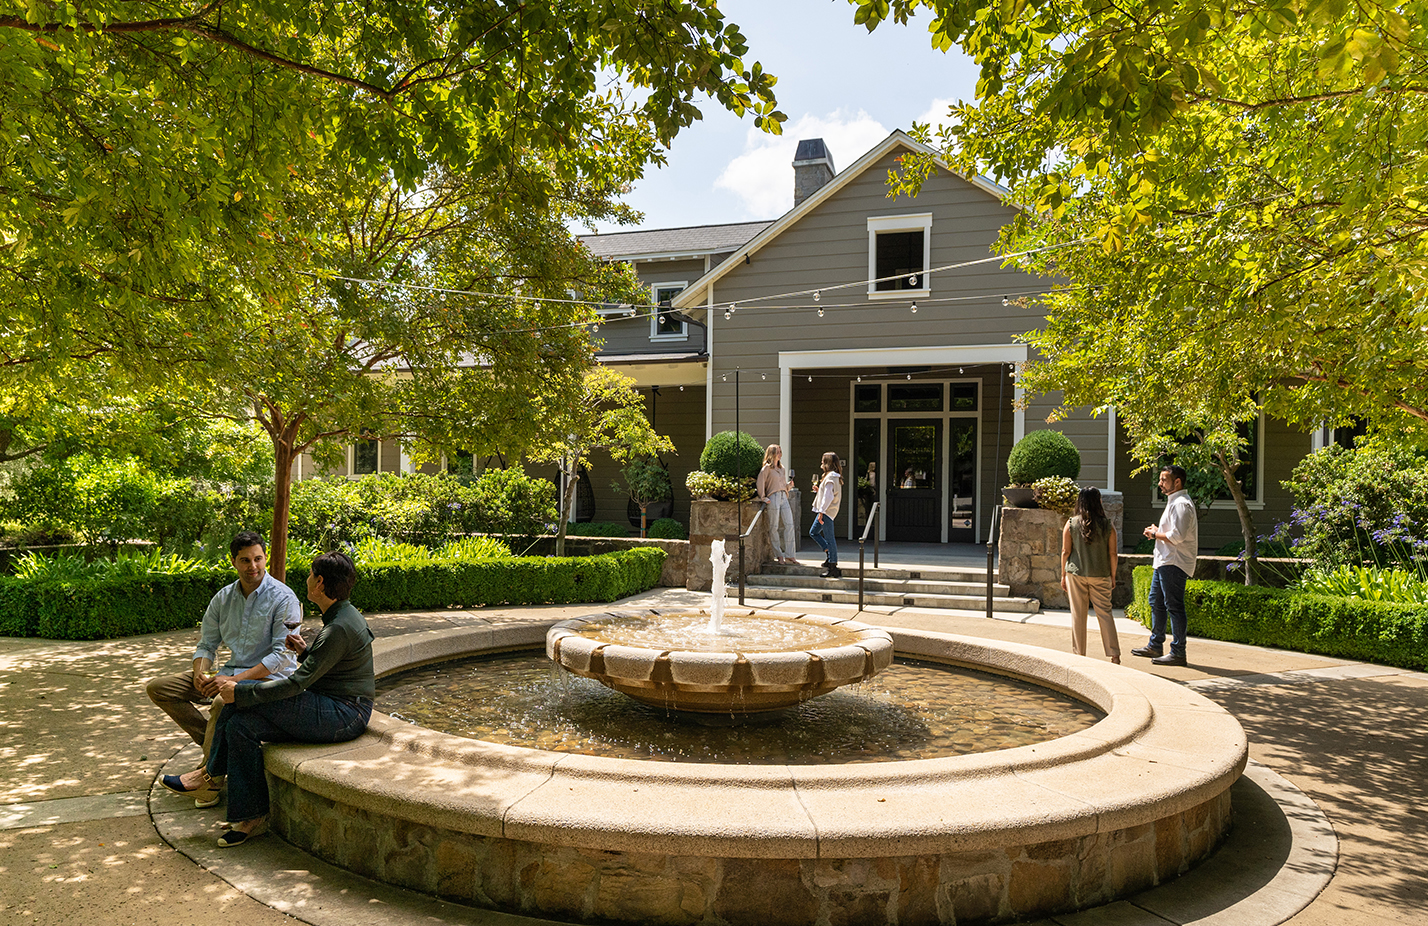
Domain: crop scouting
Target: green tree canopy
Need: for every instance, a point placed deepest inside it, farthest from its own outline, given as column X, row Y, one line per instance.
column 1233, row 193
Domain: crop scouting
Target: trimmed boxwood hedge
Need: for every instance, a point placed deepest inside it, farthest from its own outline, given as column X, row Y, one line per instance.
column 124, row 607
column 1349, row 628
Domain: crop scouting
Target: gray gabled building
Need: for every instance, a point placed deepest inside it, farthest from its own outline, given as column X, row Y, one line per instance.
column 880, row 328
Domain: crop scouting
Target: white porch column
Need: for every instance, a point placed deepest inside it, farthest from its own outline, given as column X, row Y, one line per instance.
column 1111, row 449
column 709, row 367
column 785, row 410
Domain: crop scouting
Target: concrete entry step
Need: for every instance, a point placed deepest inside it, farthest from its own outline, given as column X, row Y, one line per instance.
column 841, row 592
column 956, row 589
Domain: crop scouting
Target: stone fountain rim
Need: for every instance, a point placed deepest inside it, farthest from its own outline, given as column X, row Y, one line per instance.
column 1160, row 750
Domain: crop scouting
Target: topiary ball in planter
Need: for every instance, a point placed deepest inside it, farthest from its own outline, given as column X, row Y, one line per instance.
column 1041, row 454
column 732, row 454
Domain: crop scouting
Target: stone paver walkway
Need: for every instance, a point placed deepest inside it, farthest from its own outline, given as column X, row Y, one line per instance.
column 80, row 746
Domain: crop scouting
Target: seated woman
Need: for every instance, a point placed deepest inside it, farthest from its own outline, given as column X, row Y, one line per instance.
column 327, row 700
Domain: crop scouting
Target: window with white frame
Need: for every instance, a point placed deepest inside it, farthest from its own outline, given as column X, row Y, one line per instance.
column 899, row 255
column 662, row 325
column 365, row 457
column 1250, row 472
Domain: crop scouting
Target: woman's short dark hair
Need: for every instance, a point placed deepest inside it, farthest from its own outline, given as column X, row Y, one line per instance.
column 243, row 541
column 338, row 574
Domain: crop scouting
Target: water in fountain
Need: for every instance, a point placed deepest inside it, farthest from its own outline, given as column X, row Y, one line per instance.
column 720, row 561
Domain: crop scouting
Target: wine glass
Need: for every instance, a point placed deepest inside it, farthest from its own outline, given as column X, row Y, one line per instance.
column 292, row 622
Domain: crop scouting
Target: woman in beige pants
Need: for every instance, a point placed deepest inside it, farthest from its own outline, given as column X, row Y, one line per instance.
column 1088, row 569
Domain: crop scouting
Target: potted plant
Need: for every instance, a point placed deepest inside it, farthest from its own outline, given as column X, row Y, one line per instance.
column 647, row 482
column 1038, row 455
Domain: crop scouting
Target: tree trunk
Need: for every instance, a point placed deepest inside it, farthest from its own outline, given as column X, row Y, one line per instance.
column 282, row 503
column 643, row 510
column 1246, row 519
column 565, row 504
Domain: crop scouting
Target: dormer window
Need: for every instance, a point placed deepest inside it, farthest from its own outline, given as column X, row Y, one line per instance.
column 899, row 253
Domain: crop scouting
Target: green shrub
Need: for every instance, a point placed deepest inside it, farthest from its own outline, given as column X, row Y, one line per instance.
column 732, row 454
column 474, row 548
column 512, row 581
column 667, row 529
column 1399, row 586
column 720, row 488
column 116, row 606
column 418, row 508
column 1139, row 607
column 1368, row 505
column 1041, row 454
column 1348, row 628
column 596, row 529
column 1144, row 547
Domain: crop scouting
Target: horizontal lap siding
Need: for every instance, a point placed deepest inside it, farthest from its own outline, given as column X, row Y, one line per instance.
column 830, row 246
column 1284, row 446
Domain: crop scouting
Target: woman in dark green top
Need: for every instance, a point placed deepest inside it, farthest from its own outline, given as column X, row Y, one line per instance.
column 1088, row 569
column 327, row 700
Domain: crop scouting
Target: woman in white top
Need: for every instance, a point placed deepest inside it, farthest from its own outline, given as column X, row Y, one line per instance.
column 825, row 509
column 772, row 487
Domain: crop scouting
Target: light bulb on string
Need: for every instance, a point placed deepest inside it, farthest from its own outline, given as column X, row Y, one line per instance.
column 733, row 307
column 681, row 388
column 1006, row 301
column 728, row 314
column 914, row 308
column 960, row 370
column 725, row 377
column 912, row 280
column 817, row 295
column 820, row 311
column 810, row 379
column 909, row 376
column 763, row 376
column 860, row 379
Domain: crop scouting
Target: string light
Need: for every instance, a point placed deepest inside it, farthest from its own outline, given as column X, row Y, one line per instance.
column 681, row 388
column 914, row 308
column 817, row 295
column 1006, row 301
column 728, row 314
column 810, row 379
column 860, row 379
column 909, row 376
column 763, row 376
column 820, row 311
column 725, row 377
column 733, row 307
column 912, row 280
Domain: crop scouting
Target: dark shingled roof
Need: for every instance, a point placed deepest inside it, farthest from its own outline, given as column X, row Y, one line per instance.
column 694, row 239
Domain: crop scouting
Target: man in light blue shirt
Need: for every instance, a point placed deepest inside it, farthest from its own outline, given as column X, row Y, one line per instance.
column 252, row 617
column 1177, row 540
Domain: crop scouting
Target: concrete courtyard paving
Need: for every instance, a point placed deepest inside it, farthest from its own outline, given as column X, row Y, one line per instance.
column 80, row 746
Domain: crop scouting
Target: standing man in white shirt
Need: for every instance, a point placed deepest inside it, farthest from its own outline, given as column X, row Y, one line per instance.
column 252, row 617
column 1177, row 538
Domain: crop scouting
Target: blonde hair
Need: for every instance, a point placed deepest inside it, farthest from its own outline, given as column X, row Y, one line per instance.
column 771, row 454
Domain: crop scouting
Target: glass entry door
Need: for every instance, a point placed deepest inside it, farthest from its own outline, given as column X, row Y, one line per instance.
column 914, row 492
column 962, row 480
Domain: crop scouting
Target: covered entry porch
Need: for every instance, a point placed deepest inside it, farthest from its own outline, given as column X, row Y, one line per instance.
column 923, row 433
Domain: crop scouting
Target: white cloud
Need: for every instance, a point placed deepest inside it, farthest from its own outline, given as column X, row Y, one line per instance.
column 762, row 176
column 937, row 113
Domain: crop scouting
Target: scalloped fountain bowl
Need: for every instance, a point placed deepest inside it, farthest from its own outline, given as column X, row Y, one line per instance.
column 753, row 663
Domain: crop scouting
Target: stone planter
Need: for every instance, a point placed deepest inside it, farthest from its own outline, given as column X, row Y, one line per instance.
column 711, row 520
column 1029, row 550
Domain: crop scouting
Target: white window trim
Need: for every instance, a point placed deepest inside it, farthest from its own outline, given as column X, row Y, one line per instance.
column 352, row 459
column 683, row 334
column 920, row 221
column 1228, row 504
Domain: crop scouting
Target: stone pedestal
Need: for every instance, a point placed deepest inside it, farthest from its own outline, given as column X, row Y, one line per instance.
column 1029, row 555
column 709, row 521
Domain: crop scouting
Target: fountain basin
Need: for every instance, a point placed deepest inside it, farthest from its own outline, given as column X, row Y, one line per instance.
column 1076, row 822
column 754, row 674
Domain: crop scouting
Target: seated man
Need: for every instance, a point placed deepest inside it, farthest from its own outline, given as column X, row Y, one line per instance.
column 252, row 617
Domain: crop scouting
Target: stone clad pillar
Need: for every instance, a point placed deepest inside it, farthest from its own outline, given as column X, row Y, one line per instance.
column 711, row 520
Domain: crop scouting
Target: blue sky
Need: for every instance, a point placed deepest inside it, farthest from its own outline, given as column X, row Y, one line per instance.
column 836, row 81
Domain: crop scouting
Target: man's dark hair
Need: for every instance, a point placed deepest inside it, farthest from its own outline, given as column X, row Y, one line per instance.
column 1177, row 472
column 338, row 574
column 243, row 541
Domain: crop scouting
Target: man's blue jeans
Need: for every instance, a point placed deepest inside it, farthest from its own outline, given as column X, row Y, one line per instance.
column 822, row 533
column 305, row 718
column 1167, row 594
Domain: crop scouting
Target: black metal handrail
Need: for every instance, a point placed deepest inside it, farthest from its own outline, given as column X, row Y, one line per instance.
column 991, row 543
column 752, row 524
column 869, row 529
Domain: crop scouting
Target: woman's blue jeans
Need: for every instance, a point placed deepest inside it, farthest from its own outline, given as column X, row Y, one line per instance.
column 822, row 533
column 305, row 718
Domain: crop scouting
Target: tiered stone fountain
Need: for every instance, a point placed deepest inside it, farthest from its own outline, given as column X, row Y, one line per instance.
column 1075, row 822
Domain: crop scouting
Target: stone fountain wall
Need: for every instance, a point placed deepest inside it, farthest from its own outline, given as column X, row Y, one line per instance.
column 710, row 521
column 1029, row 552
